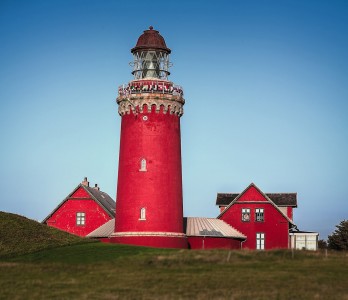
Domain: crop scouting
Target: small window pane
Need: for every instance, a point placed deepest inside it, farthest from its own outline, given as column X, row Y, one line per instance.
column 245, row 214
column 143, row 214
column 259, row 215
column 143, row 165
column 80, row 218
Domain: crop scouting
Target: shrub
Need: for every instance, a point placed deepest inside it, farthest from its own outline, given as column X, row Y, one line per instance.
column 338, row 240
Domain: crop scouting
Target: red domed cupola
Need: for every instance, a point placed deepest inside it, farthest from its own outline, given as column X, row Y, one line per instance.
column 151, row 56
column 151, row 40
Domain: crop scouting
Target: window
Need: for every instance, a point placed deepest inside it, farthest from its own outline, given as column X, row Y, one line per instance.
column 80, row 218
column 143, row 165
column 260, row 241
column 246, row 214
column 259, row 215
column 143, row 213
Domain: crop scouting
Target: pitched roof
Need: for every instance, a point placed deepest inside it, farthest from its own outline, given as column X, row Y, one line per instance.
column 280, row 199
column 104, row 230
column 262, row 193
column 102, row 198
column 210, row 227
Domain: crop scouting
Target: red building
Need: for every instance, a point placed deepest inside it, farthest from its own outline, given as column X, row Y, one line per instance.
column 265, row 219
column 149, row 206
column 82, row 211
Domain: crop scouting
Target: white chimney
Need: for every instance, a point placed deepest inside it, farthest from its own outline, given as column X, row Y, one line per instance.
column 85, row 182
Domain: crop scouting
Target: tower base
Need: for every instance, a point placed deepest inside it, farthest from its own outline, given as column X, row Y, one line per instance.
column 151, row 239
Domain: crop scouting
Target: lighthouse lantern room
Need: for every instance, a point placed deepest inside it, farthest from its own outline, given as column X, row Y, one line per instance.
column 149, row 202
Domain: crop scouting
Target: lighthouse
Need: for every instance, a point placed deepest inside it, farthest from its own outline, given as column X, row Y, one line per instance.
column 149, row 201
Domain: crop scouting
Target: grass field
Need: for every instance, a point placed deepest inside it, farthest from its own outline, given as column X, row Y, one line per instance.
column 105, row 271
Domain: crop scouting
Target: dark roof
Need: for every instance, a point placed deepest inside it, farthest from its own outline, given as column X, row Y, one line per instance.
column 151, row 40
column 293, row 230
column 100, row 197
column 104, row 199
column 280, row 199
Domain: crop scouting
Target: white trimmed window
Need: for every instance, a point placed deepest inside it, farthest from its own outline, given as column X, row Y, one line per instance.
column 260, row 241
column 80, row 218
column 143, row 165
column 245, row 214
column 143, row 213
column 259, row 215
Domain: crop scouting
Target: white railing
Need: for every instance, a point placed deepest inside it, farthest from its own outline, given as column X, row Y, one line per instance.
column 150, row 86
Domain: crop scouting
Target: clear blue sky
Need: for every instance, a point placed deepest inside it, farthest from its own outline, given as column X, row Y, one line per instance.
column 266, row 88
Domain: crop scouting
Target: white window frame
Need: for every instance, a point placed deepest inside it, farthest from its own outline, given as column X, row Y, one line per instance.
column 142, row 213
column 80, row 218
column 260, row 241
column 143, row 165
column 245, row 214
column 259, row 215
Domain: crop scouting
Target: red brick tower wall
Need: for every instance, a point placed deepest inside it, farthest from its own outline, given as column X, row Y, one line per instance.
column 154, row 136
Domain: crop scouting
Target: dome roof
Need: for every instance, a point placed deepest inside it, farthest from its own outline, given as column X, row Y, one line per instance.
column 151, row 40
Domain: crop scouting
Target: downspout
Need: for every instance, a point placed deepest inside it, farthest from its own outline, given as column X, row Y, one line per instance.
column 241, row 244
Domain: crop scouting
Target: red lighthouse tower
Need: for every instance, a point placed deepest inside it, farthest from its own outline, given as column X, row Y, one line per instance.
column 149, row 205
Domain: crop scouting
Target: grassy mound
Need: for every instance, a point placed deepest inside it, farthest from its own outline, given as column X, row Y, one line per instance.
column 20, row 235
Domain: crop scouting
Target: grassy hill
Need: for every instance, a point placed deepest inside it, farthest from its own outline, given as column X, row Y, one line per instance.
column 109, row 271
column 20, row 235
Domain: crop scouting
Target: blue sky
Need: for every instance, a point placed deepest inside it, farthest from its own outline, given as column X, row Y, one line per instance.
column 266, row 89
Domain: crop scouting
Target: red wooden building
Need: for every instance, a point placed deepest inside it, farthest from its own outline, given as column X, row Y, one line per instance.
column 82, row 211
column 265, row 219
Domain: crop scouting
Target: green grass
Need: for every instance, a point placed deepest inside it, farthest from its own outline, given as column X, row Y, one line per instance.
column 107, row 271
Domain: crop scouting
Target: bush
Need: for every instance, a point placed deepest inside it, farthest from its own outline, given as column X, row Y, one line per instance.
column 338, row 240
column 322, row 244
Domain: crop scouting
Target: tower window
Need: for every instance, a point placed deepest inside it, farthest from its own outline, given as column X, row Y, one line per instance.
column 143, row 213
column 260, row 241
column 80, row 218
column 245, row 214
column 259, row 215
column 143, row 165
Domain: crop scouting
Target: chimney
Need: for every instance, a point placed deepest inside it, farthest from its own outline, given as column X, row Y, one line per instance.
column 96, row 187
column 85, row 182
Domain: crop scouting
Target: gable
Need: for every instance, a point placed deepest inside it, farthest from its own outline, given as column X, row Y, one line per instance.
column 251, row 194
column 80, row 193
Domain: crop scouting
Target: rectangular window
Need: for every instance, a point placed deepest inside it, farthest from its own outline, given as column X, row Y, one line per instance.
column 259, row 215
column 142, row 214
column 260, row 241
column 246, row 214
column 80, row 218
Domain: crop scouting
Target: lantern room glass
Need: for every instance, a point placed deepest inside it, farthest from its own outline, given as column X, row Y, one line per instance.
column 151, row 64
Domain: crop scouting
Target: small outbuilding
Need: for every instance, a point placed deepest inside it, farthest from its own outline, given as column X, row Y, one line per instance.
column 211, row 233
column 303, row 240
